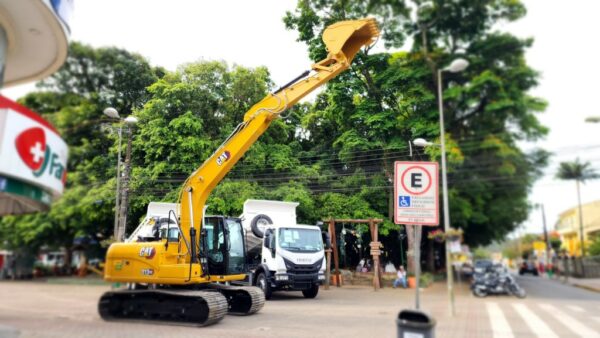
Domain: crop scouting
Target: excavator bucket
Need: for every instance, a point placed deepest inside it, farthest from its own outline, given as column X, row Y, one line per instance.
column 349, row 36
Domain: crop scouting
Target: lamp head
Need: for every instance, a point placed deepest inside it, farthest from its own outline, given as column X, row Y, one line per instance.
column 112, row 113
column 458, row 65
column 593, row 119
column 420, row 142
column 131, row 119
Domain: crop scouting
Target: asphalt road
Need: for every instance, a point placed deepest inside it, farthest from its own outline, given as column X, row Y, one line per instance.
column 36, row 309
column 545, row 289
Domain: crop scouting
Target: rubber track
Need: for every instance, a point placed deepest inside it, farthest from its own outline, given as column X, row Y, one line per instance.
column 215, row 302
column 256, row 295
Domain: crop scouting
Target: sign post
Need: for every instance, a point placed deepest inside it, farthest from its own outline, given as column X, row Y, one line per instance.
column 416, row 186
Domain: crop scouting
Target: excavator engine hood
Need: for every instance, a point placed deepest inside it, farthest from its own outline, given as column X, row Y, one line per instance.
column 350, row 36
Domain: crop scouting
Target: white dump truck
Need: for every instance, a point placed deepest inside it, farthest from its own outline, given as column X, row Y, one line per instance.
column 282, row 255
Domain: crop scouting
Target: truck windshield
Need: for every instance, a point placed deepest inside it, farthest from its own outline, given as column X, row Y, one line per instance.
column 304, row 240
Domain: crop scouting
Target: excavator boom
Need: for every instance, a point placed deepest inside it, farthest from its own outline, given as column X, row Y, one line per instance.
column 343, row 41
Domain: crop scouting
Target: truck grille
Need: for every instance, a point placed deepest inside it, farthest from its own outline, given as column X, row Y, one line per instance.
column 303, row 269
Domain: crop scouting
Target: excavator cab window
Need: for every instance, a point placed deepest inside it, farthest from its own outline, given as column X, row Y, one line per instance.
column 215, row 245
column 225, row 245
column 236, row 246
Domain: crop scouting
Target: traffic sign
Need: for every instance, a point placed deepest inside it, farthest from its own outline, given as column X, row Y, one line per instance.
column 416, row 186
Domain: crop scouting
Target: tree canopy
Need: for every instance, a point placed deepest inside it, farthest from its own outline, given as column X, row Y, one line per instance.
column 335, row 156
column 390, row 98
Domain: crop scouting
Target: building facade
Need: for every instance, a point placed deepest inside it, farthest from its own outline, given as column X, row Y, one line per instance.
column 568, row 226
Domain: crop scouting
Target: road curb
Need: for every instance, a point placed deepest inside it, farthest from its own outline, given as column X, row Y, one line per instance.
column 587, row 287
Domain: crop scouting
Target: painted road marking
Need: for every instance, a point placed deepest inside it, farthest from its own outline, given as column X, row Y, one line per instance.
column 534, row 322
column 575, row 308
column 500, row 327
column 576, row 326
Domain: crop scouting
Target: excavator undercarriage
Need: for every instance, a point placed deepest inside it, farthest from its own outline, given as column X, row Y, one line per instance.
column 181, row 306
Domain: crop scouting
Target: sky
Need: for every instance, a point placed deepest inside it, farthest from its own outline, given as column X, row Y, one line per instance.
column 251, row 34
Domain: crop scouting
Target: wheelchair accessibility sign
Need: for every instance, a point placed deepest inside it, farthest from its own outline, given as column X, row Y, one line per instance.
column 416, row 193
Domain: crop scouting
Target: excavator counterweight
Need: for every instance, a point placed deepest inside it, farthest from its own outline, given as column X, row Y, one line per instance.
column 183, row 272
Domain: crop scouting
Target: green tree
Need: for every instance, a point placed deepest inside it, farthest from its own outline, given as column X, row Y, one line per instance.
column 594, row 248
column 389, row 98
column 481, row 253
column 72, row 100
column 579, row 172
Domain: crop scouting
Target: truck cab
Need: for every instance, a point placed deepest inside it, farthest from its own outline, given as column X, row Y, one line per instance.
column 283, row 255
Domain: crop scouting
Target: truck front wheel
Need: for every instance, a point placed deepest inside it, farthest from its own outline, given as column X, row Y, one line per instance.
column 312, row 292
column 263, row 284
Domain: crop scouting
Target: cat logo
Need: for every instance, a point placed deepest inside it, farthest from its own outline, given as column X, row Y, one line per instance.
column 223, row 157
column 148, row 252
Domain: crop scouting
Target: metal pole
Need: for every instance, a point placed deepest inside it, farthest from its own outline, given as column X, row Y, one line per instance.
column 125, row 194
column 417, row 263
column 581, row 238
column 445, row 195
column 118, row 192
column 3, row 53
column 546, row 238
column 401, row 251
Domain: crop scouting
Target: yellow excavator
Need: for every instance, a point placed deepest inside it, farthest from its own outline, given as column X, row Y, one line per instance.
column 187, row 269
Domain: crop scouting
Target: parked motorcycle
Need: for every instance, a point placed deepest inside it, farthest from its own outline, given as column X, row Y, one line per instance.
column 495, row 280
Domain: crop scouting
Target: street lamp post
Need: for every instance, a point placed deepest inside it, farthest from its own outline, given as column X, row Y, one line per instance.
column 121, row 198
column 546, row 237
column 456, row 66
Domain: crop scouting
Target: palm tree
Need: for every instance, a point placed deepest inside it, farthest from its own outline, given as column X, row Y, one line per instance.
column 580, row 172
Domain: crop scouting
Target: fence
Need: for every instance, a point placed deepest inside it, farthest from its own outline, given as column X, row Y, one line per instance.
column 587, row 267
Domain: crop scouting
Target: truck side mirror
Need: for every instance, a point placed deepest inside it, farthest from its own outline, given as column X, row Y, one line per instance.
column 270, row 241
column 267, row 240
column 326, row 239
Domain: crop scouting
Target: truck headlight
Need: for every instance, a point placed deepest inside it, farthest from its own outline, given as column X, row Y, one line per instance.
column 321, row 277
column 281, row 277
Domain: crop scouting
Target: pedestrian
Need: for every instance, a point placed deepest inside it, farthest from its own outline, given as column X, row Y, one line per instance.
column 550, row 270
column 401, row 277
column 360, row 265
column 541, row 268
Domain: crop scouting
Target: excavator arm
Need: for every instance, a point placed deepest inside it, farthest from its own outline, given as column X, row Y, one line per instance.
column 343, row 41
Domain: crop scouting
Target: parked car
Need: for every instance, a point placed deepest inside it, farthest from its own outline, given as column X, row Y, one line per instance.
column 467, row 270
column 528, row 267
column 481, row 265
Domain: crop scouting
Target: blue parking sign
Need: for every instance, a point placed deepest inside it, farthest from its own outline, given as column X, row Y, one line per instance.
column 404, row 201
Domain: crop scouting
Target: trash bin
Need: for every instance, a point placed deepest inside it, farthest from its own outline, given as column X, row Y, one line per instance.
column 415, row 324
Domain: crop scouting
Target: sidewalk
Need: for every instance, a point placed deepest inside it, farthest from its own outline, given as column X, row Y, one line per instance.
column 591, row 284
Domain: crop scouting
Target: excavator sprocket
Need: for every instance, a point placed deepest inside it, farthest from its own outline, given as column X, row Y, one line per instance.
column 243, row 300
column 177, row 307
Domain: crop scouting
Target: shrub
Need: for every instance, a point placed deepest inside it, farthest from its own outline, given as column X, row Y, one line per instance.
column 425, row 279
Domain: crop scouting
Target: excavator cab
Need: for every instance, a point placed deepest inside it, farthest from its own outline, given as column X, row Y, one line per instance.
column 224, row 245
